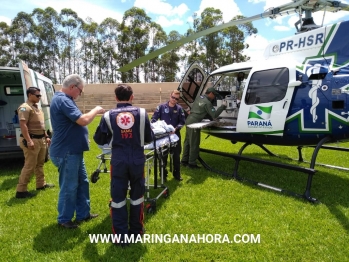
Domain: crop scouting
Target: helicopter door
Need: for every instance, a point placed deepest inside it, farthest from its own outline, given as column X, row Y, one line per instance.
column 266, row 101
column 192, row 83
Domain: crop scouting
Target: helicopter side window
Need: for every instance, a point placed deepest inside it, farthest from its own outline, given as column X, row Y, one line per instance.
column 267, row 86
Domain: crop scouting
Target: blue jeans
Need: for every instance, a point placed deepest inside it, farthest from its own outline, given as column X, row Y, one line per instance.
column 74, row 195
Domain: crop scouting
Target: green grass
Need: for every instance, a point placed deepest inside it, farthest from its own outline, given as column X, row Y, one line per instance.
column 290, row 228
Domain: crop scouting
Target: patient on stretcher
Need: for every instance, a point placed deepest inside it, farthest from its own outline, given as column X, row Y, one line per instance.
column 160, row 128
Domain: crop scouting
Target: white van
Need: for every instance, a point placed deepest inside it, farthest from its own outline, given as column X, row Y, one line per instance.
column 14, row 82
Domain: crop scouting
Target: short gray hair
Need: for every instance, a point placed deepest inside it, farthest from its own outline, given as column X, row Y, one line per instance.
column 73, row 79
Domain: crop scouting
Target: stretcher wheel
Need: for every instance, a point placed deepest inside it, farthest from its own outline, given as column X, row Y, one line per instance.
column 167, row 193
column 151, row 208
column 95, row 176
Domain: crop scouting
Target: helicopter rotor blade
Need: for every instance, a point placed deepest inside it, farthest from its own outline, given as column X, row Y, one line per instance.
column 330, row 6
column 283, row 10
column 192, row 37
column 344, row 7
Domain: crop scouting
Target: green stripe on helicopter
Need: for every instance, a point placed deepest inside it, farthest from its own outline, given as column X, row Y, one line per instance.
column 328, row 128
column 321, row 52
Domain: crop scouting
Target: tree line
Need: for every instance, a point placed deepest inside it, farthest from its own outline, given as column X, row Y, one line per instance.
column 59, row 44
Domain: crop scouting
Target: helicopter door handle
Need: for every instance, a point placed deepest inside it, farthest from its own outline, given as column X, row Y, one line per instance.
column 284, row 104
column 343, row 113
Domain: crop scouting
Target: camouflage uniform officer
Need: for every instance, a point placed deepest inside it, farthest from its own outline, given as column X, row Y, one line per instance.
column 201, row 107
column 33, row 142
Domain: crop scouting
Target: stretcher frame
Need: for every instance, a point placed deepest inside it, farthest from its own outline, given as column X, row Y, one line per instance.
column 154, row 158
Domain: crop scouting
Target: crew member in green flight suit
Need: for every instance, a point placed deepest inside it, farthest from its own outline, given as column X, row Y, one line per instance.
column 202, row 106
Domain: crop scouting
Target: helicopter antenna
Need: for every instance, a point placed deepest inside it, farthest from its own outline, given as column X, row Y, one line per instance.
column 323, row 17
column 299, row 22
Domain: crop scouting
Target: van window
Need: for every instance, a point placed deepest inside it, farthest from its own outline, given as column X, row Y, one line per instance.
column 267, row 86
column 46, row 88
column 13, row 90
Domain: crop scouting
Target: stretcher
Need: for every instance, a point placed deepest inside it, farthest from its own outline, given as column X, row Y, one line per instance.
column 154, row 154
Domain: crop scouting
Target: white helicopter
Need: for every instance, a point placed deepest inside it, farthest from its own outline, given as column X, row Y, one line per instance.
column 297, row 95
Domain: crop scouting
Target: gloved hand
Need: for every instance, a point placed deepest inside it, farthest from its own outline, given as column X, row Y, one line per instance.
column 224, row 102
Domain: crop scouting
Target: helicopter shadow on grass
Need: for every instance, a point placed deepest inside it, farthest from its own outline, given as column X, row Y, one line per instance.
column 196, row 176
column 333, row 196
column 291, row 181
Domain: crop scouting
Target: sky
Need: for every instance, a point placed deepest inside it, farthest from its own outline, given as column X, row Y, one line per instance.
column 178, row 14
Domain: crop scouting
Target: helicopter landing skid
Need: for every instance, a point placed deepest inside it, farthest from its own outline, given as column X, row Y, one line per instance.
column 238, row 157
column 300, row 157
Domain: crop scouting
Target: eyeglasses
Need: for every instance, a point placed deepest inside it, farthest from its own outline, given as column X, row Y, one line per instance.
column 38, row 96
column 79, row 89
column 175, row 98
